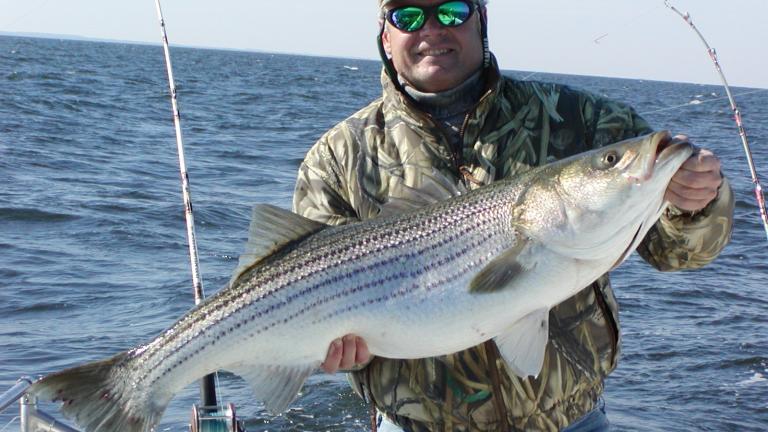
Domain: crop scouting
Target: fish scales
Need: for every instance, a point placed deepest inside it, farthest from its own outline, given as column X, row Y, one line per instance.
column 336, row 262
column 322, row 259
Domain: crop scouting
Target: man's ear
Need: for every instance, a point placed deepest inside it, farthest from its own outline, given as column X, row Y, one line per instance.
column 385, row 40
column 483, row 16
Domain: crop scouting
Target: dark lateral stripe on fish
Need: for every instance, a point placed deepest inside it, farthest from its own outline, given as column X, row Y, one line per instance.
column 458, row 254
column 468, row 247
column 344, row 256
column 336, row 258
column 399, row 293
column 357, row 289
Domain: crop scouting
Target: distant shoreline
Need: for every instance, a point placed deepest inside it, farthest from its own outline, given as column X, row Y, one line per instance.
column 69, row 37
column 524, row 73
column 57, row 36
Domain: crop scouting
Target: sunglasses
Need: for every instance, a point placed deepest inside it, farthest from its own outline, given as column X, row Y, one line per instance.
column 412, row 18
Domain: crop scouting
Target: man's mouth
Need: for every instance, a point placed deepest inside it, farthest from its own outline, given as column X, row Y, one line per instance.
column 434, row 52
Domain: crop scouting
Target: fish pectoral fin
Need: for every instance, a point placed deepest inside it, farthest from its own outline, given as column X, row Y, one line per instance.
column 501, row 271
column 523, row 345
column 272, row 228
column 277, row 386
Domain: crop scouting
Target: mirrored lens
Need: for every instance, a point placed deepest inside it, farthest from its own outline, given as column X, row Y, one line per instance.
column 453, row 13
column 448, row 14
column 408, row 18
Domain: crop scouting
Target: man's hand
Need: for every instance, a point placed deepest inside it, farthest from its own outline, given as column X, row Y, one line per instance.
column 696, row 182
column 344, row 353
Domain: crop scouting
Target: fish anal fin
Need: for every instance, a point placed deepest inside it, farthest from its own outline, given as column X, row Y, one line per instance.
column 272, row 228
column 277, row 386
column 523, row 344
column 501, row 271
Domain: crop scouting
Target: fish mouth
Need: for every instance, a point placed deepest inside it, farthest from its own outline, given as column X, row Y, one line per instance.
column 662, row 148
column 668, row 148
column 665, row 154
column 662, row 141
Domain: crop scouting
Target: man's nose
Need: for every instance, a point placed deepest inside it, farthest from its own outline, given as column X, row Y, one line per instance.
column 432, row 25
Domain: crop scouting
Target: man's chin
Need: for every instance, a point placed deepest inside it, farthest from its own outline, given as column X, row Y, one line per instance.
column 436, row 80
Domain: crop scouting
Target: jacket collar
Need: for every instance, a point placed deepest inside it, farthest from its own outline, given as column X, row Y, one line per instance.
column 397, row 101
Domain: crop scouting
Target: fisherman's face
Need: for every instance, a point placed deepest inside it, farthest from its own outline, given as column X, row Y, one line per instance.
column 435, row 58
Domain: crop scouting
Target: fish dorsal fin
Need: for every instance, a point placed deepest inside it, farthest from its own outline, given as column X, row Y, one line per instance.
column 523, row 344
column 431, row 187
column 502, row 270
column 272, row 228
column 277, row 386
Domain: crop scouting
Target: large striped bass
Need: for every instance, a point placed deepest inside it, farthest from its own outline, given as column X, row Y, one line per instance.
column 488, row 264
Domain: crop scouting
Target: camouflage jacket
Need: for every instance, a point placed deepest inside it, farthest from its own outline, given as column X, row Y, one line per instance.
column 356, row 167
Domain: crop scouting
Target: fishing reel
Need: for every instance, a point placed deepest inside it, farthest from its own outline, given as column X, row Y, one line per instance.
column 215, row 419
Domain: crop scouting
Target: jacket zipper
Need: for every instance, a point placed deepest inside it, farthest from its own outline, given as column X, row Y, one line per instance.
column 458, row 157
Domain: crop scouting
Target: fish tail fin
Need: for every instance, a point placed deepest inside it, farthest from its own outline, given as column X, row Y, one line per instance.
column 95, row 397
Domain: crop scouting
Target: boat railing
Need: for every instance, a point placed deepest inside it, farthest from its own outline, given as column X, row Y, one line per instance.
column 31, row 418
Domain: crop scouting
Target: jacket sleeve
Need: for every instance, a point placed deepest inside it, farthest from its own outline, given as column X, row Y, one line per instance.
column 321, row 192
column 610, row 121
column 684, row 240
column 679, row 240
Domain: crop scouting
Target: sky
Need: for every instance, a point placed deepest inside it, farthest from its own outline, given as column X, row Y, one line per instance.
column 617, row 38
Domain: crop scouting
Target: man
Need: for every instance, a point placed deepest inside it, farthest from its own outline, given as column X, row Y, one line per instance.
column 445, row 107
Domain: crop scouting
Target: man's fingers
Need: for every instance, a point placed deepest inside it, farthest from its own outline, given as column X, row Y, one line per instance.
column 333, row 358
column 362, row 354
column 687, row 203
column 344, row 353
column 693, row 191
column 698, row 180
column 680, row 138
column 707, row 192
column 349, row 353
column 696, row 183
column 702, row 161
column 698, row 177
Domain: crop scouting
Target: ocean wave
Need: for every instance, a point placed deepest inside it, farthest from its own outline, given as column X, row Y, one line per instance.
column 11, row 214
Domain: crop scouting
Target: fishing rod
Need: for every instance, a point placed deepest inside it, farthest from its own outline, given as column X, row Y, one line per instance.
column 736, row 115
column 208, row 383
column 209, row 416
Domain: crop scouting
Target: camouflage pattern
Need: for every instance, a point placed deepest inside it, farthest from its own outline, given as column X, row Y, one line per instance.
column 388, row 147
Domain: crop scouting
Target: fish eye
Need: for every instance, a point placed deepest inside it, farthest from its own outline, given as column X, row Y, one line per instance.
column 610, row 158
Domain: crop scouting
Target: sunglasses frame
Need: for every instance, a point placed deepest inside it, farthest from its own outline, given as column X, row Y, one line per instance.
column 430, row 11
